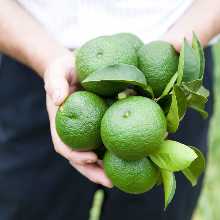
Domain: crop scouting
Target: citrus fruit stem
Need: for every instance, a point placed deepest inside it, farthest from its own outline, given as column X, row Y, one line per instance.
column 126, row 93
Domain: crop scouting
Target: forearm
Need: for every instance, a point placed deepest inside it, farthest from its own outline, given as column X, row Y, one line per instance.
column 203, row 17
column 22, row 38
column 206, row 18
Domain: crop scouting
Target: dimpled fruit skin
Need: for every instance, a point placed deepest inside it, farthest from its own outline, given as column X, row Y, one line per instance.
column 129, row 38
column 78, row 120
column 133, row 177
column 158, row 60
column 133, row 127
column 101, row 52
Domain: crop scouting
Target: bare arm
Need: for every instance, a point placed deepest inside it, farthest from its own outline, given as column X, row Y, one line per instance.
column 22, row 38
column 203, row 17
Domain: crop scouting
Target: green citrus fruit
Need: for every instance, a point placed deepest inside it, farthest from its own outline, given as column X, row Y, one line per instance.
column 78, row 120
column 133, row 127
column 101, row 52
column 130, row 39
column 158, row 60
column 133, row 177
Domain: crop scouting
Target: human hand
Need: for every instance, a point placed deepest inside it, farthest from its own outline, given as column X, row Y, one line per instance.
column 203, row 18
column 60, row 81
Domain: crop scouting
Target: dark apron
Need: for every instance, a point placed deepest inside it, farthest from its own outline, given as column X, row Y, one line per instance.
column 36, row 183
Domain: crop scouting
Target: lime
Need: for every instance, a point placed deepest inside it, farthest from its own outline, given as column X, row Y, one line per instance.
column 135, row 177
column 133, row 127
column 78, row 120
column 130, row 39
column 101, row 52
column 158, row 60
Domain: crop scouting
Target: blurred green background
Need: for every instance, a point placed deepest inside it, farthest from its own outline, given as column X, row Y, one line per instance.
column 209, row 203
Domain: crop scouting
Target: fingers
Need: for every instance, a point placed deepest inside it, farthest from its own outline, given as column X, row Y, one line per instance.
column 76, row 157
column 94, row 173
column 188, row 23
column 174, row 40
column 176, row 37
column 56, row 87
column 60, row 79
column 86, row 163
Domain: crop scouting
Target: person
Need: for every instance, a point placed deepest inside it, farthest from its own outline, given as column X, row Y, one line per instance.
column 37, row 39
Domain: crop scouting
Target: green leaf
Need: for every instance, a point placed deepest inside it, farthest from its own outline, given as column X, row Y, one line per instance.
column 181, row 101
column 191, row 67
column 180, row 66
column 159, row 180
column 196, row 168
column 113, row 79
column 203, row 92
column 165, row 103
column 197, row 102
column 177, row 108
column 173, row 115
column 173, row 156
column 200, row 54
column 197, row 96
column 170, row 85
column 192, row 86
column 169, row 185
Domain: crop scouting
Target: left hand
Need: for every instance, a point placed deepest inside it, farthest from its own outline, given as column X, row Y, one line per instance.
column 203, row 18
column 60, row 81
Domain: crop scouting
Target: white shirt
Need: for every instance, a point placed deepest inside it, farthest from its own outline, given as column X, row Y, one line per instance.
column 73, row 22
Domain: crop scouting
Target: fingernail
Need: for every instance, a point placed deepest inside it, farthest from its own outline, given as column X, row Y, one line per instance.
column 90, row 161
column 56, row 96
column 109, row 185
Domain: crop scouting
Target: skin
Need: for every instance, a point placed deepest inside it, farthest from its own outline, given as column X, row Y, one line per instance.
column 32, row 45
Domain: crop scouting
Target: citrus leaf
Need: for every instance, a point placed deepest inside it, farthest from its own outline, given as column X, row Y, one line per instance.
column 165, row 103
column 203, row 92
column 159, row 180
column 197, row 102
column 173, row 156
column 181, row 101
column 196, row 45
column 169, row 185
column 197, row 96
column 173, row 115
column 196, row 168
column 192, row 86
column 113, row 79
column 180, row 66
column 191, row 67
column 169, row 86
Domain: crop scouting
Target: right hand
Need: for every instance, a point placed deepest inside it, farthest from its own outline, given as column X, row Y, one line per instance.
column 60, row 81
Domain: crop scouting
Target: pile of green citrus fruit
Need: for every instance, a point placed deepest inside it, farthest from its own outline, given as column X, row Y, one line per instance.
column 133, row 95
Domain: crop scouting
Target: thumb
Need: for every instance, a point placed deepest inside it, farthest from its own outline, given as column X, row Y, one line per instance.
column 57, row 88
column 174, row 38
column 59, row 91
